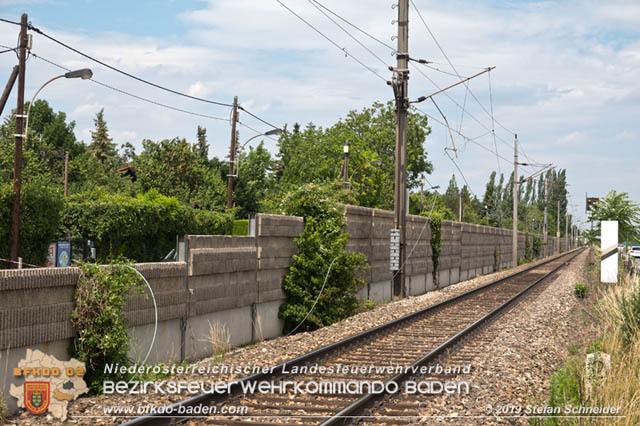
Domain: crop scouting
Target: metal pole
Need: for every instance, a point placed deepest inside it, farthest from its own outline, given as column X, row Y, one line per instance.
column 460, row 207
column 514, row 253
column 346, row 165
column 232, row 153
column 8, row 87
column 66, row 173
column 17, row 159
column 566, row 231
column 558, row 229
column 400, row 86
column 545, row 228
column 421, row 192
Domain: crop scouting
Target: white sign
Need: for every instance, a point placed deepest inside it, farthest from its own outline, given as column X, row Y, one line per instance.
column 394, row 256
column 609, row 251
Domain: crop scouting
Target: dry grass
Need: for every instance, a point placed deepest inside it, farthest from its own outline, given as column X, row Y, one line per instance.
column 620, row 339
column 220, row 340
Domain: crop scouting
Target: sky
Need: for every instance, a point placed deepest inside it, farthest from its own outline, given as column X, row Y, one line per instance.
column 567, row 76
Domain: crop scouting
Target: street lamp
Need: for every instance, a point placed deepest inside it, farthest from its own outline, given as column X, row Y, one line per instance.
column 273, row 132
column 84, row 74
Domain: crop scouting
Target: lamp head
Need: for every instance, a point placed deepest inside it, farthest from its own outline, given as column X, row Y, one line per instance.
column 83, row 73
column 273, row 132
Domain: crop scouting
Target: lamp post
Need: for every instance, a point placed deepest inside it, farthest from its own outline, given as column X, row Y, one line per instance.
column 272, row 132
column 84, row 74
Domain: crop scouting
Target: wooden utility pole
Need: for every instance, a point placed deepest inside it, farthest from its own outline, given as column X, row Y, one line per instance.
column 232, row 153
column 8, row 88
column 66, row 173
column 345, row 167
column 400, row 89
column 17, row 159
column 514, row 252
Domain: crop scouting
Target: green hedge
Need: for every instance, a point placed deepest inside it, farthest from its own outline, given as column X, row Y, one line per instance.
column 40, row 210
column 240, row 227
column 141, row 228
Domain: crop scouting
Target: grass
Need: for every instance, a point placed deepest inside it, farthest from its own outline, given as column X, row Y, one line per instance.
column 616, row 311
column 580, row 291
column 220, row 341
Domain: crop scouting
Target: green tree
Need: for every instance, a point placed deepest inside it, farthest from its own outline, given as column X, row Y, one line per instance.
column 314, row 154
column 618, row 206
column 102, row 145
column 202, row 146
column 322, row 283
column 254, row 181
column 173, row 169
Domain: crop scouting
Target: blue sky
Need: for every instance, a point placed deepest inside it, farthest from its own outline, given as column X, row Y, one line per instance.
column 567, row 77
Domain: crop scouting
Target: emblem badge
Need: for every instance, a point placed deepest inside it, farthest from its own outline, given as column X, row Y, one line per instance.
column 36, row 396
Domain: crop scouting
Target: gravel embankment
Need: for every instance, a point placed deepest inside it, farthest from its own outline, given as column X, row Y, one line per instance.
column 541, row 338
column 530, row 343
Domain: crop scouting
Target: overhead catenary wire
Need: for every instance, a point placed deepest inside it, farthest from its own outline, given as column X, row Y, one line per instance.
column 342, row 49
column 348, row 33
column 493, row 127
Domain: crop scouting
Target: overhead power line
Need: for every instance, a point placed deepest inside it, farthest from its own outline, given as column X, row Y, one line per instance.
column 132, row 95
column 142, row 80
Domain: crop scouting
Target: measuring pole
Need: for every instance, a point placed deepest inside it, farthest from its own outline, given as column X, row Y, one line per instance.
column 514, row 253
column 232, row 153
column 400, row 87
column 17, row 158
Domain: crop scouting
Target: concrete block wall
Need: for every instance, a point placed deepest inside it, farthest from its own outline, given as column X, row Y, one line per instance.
column 369, row 232
column 36, row 304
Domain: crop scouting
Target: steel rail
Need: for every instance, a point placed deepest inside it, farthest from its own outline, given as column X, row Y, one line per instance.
column 350, row 411
column 165, row 418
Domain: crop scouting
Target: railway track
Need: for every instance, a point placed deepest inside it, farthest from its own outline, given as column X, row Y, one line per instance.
column 359, row 374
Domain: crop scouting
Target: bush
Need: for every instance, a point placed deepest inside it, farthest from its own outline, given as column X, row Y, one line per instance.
column 321, row 245
column 98, row 320
column 141, row 228
column 240, row 227
column 566, row 389
column 40, row 210
column 580, row 291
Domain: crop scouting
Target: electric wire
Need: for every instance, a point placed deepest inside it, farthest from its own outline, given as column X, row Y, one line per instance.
column 342, row 49
column 142, row 80
column 348, row 33
column 354, row 26
column 10, row 22
column 461, row 174
column 493, row 127
column 133, row 95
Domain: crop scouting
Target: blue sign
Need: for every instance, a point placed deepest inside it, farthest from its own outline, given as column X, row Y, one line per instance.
column 64, row 254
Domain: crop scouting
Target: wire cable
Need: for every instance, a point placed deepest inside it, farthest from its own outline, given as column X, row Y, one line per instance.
column 355, row 26
column 493, row 127
column 140, row 79
column 348, row 33
column 132, row 95
column 10, row 22
column 342, row 49
column 461, row 174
